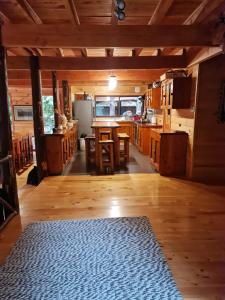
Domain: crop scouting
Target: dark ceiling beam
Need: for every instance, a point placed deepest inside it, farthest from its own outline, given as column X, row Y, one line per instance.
column 29, row 11
column 137, row 36
column 100, row 63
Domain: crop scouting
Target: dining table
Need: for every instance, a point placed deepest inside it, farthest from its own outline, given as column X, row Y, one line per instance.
column 98, row 126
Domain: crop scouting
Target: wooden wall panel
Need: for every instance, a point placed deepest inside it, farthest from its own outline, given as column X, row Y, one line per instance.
column 209, row 150
column 22, row 96
column 103, row 90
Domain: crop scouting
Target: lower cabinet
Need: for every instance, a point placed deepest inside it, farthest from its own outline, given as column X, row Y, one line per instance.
column 60, row 148
column 143, row 137
column 168, row 152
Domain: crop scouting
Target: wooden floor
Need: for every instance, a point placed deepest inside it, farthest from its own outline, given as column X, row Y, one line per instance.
column 188, row 220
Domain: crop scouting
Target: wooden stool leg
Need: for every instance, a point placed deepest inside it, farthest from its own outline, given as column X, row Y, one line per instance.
column 111, row 158
column 100, row 159
column 126, row 149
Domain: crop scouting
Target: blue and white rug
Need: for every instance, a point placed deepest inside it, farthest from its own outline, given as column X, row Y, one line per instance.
column 104, row 259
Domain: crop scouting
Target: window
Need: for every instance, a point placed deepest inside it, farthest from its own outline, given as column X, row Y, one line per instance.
column 48, row 113
column 111, row 106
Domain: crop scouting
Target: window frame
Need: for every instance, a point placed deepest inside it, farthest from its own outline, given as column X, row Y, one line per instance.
column 119, row 106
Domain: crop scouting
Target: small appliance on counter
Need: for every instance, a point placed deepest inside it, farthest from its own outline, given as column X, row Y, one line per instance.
column 150, row 116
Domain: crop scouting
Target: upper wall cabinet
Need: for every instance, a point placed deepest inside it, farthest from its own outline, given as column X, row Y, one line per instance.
column 152, row 99
column 176, row 93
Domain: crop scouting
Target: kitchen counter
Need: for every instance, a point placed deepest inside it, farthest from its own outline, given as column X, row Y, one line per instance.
column 147, row 125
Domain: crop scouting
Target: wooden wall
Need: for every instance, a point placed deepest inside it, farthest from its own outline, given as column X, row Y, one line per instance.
column 209, row 137
column 23, row 96
column 103, row 90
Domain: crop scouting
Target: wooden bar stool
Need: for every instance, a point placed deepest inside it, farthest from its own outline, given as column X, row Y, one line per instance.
column 124, row 152
column 90, row 150
column 105, row 135
column 106, row 155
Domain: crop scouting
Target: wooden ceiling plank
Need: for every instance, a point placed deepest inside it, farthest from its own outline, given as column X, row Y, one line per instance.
column 201, row 13
column 156, row 36
column 3, row 18
column 160, row 11
column 30, row 12
column 71, row 7
column 100, row 63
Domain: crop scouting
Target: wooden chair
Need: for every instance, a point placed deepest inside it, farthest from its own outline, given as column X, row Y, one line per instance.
column 124, row 139
column 106, row 155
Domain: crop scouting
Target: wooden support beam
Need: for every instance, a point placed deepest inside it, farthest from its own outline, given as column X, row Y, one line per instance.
column 138, row 36
column 60, row 52
column 72, row 10
column 203, row 11
column 160, row 11
column 114, row 20
column 109, row 52
column 38, row 116
column 124, row 75
column 55, row 93
column 8, row 169
column 99, row 63
column 136, row 51
column 31, row 14
column 197, row 55
column 67, row 105
column 3, row 18
column 83, row 52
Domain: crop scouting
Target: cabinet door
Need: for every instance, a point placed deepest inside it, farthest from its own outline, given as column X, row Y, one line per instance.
column 166, row 119
column 169, row 94
column 163, row 96
column 155, row 98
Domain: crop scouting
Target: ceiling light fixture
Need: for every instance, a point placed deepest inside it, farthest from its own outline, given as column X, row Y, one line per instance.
column 120, row 6
column 112, row 84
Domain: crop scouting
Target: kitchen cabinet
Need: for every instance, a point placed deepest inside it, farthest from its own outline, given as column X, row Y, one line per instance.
column 152, row 98
column 168, row 152
column 143, row 134
column 176, row 93
column 60, row 148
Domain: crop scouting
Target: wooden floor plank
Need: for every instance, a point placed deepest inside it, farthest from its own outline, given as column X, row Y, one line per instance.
column 188, row 219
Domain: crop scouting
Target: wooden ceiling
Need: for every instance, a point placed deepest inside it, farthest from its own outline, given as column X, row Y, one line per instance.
column 88, row 31
column 91, row 12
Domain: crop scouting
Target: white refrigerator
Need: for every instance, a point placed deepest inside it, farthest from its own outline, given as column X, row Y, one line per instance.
column 83, row 112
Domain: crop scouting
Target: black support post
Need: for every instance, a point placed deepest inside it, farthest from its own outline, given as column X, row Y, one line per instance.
column 8, row 174
column 38, row 117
